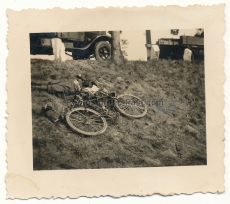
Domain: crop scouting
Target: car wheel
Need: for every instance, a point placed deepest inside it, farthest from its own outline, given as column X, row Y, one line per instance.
column 102, row 51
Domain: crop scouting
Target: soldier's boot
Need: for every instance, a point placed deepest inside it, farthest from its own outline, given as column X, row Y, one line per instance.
column 36, row 87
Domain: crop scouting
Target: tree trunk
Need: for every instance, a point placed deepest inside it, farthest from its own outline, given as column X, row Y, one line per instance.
column 117, row 56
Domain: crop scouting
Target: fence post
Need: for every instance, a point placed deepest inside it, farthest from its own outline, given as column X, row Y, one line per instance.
column 59, row 50
column 54, row 45
column 148, row 44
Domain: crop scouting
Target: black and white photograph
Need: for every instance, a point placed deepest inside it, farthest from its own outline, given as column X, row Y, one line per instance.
column 115, row 102
column 118, row 99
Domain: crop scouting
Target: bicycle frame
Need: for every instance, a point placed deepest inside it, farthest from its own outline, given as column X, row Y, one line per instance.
column 102, row 103
column 92, row 112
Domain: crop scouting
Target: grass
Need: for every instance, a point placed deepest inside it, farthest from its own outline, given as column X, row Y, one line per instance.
column 172, row 133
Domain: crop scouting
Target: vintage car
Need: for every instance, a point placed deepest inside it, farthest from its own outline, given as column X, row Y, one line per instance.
column 79, row 45
column 171, row 48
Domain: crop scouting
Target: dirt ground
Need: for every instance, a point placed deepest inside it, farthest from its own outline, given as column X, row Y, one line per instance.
column 173, row 133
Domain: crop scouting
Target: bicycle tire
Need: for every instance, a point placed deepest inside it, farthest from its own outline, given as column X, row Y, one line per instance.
column 89, row 110
column 122, row 111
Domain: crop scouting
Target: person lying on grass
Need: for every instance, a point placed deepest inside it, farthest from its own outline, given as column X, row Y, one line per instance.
column 69, row 86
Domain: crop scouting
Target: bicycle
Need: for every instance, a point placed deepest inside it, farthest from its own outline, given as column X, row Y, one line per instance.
column 87, row 115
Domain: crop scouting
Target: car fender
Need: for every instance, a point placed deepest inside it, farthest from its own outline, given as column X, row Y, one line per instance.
column 94, row 41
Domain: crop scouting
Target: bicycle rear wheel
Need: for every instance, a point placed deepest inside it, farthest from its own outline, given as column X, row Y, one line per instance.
column 131, row 106
column 86, row 121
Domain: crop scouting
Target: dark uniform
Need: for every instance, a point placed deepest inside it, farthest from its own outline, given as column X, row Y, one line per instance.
column 68, row 86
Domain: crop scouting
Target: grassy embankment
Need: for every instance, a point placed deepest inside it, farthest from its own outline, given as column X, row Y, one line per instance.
column 172, row 134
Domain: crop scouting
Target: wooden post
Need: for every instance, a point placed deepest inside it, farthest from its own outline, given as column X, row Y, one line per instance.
column 54, row 45
column 148, row 44
column 58, row 49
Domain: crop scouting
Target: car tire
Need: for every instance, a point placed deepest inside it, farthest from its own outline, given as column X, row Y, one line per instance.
column 102, row 51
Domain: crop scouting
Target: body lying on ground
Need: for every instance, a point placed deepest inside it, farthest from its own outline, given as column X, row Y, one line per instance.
column 69, row 86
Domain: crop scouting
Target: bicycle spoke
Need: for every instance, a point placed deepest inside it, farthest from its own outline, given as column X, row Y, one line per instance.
column 127, row 107
column 96, row 122
column 90, row 129
column 94, row 118
column 81, row 114
column 130, row 110
column 79, row 121
column 135, row 110
column 75, row 117
column 141, row 107
column 95, row 126
column 122, row 105
column 138, row 108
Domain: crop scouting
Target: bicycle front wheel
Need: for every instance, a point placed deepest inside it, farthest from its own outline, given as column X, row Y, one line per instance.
column 86, row 121
column 131, row 106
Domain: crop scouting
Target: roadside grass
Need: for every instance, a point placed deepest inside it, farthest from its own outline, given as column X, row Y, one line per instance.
column 173, row 132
